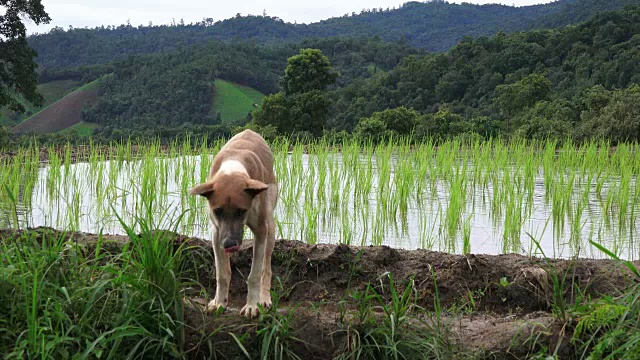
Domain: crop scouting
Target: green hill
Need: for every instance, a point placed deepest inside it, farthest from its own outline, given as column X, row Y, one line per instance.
column 178, row 88
column 51, row 91
column 63, row 113
column 435, row 25
column 234, row 101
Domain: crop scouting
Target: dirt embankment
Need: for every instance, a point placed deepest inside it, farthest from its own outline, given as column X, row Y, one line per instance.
column 498, row 306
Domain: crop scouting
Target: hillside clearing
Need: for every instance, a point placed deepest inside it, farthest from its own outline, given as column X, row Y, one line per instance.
column 234, row 101
column 62, row 114
column 51, row 91
column 82, row 129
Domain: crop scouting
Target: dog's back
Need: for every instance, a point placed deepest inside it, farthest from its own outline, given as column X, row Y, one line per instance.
column 250, row 149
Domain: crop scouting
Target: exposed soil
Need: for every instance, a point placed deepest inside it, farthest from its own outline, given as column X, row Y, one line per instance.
column 60, row 115
column 511, row 294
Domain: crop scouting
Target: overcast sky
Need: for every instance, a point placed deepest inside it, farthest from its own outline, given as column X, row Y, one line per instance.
column 91, row 13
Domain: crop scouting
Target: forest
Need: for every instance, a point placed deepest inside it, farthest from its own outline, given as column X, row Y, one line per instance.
column 433, row 25
column 576, row 82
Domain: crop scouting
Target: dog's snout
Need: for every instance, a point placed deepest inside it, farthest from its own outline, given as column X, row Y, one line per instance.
column 231, row 244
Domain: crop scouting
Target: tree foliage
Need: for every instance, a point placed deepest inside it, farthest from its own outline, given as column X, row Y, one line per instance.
column 616, row 118
column 308, row 71
column 303, row 105
column 398, row 121
column 535, row 84
column 433, row 25
column 17, row 68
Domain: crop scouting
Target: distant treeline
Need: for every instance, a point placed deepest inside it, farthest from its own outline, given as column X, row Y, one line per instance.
column 433, row 25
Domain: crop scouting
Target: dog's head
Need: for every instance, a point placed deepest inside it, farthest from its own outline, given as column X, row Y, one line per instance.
column 230, row 197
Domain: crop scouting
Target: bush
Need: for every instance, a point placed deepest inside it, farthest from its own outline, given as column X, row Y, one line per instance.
column 547, row 119
column 371, row 128
column 4, row 137
column 618, row 120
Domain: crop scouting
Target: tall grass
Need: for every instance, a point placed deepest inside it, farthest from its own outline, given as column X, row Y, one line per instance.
column 64, row 297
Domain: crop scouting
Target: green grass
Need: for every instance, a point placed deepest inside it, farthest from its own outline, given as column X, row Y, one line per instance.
column 51, row 91
column 82, row 129
column 63, row 302
column 234, row 101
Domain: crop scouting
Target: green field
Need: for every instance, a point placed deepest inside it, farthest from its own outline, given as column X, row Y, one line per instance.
column 82, row 129
column 234, row 101
column 52, row 92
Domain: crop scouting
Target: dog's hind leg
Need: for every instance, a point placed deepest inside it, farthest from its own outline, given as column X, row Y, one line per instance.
column 223, row 275
column 255, row 276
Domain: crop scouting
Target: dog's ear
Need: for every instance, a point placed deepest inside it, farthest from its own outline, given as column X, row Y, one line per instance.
column 255, row 187
column 205, row 190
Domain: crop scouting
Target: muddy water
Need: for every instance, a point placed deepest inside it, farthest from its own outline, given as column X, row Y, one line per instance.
column 322, row 201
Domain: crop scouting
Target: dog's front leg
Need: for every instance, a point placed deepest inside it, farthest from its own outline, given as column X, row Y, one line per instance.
column 254, row 281
column 223, row 275
column 265, row 289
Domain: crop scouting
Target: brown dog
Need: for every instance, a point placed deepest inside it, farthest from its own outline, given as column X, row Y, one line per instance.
column 242, row 189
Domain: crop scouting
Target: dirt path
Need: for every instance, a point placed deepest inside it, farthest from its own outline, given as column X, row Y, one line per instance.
column 496, row 306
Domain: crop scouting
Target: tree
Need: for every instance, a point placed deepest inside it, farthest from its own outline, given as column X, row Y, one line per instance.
column 274, row 111
column 17, row 69
column 371, row 128
column 309, row 111
column 303, row 106
column 4, row 137
column 618, row 121
column 513, row 98
column 400, row 121
column 548, row 119
column 310, row 70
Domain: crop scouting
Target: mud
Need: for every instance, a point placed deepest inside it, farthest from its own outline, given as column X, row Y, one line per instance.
column 493, row 306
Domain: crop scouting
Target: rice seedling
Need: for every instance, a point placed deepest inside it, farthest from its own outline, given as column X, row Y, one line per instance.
column 352, row 191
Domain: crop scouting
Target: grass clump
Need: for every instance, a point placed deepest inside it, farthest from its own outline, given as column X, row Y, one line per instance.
column 609, row 328
column 64, row 298
column 398, row 333
column 274, row 338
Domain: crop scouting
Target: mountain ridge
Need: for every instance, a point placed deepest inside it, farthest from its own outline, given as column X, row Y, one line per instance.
column 435, row 26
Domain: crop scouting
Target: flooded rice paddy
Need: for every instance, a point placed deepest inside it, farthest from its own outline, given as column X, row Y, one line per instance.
column 458, row 197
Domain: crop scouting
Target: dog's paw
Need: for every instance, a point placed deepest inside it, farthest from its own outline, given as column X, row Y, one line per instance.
column 214, row 306
column 250, row 311
column 265, row 299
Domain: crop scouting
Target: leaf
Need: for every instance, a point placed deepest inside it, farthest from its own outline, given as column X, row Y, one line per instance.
column 244, row 351
column 628, row 264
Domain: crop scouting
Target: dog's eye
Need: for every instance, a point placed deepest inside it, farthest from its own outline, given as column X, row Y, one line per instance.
column 240, row 213
column 217, row 212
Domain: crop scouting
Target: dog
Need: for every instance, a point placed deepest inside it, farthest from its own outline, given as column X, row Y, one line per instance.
column 242, row 190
